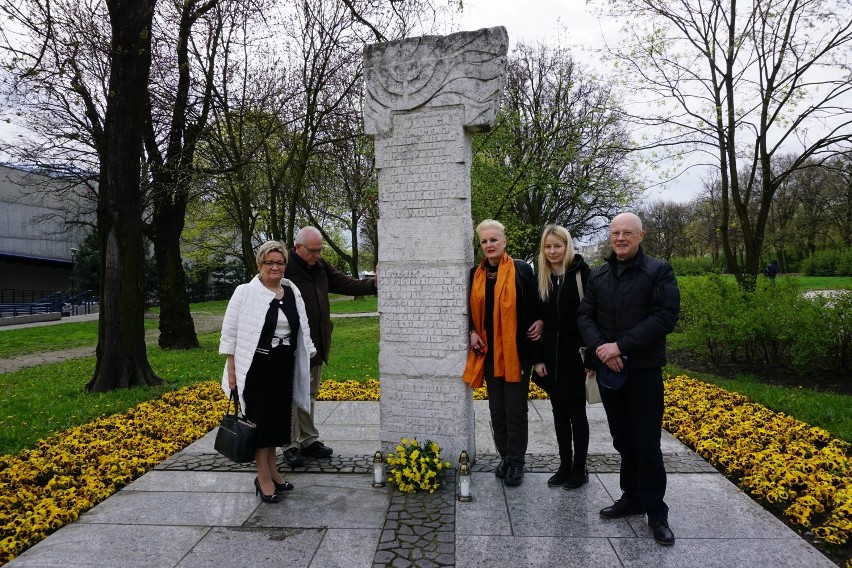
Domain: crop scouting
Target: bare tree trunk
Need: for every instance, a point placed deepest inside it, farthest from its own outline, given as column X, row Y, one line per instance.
column 177, row 330
column 121, row 357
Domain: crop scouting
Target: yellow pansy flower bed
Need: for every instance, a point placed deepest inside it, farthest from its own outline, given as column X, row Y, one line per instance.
column 369, row 390
column 792, row 467
column 48, row 486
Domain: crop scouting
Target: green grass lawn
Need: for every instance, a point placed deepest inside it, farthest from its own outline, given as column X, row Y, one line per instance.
column 52, row 337
column 21, row 341
column 354, row 350
column 822, row 282
column 348, row 305
column 39, row 401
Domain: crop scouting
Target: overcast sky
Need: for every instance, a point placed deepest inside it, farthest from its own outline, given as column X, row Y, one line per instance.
column 582, row 31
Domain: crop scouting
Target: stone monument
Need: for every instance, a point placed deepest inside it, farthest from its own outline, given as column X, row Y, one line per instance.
column 424, row 98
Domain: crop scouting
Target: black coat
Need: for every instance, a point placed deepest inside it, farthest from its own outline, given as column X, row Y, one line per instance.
column 560, row 340
column 636, row 310
column 315, row 282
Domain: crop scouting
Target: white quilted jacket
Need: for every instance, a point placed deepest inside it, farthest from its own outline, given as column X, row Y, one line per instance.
column 241, row 331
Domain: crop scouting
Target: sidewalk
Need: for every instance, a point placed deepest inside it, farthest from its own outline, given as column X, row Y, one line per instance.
column 199, row 510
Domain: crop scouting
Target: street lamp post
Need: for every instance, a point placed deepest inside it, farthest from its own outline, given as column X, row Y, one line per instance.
column 74, row 252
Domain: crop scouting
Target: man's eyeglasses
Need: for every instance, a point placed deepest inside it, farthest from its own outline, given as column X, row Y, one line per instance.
column 271, row 263
column 312, row 251
column 617, row 234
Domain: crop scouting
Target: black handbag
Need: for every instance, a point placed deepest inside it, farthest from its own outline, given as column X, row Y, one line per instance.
column 235, row 438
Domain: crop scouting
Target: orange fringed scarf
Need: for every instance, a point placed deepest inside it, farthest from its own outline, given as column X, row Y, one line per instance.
column 505, row 349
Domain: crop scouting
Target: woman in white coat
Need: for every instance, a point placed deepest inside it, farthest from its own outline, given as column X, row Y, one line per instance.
column 266, row 338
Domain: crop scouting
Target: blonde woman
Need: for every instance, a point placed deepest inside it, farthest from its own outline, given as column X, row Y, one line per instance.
column 562, row 374
column 266, row 338
column 503, row 307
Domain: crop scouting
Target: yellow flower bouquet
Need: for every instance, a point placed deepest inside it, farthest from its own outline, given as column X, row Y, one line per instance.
column 414, row 467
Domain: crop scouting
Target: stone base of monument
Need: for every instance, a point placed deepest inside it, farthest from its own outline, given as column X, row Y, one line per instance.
column 437, row 409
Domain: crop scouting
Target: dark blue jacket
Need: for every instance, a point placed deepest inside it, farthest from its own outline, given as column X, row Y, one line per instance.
column 636, row 310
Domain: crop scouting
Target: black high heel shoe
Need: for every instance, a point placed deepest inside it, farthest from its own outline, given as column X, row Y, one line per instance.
column 274, row 498
column 286, row 486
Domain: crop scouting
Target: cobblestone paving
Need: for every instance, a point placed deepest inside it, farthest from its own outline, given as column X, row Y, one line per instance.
column 420, row 529
column 216, row 462
column 687, row 462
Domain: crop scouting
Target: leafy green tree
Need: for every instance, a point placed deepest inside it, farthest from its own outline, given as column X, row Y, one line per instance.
column 557, row 154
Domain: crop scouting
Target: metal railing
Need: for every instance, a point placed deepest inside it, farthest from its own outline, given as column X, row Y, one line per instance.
column 79, row 304
column 67, row 305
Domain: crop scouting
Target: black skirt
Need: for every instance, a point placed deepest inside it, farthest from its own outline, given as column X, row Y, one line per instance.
column 269, row 396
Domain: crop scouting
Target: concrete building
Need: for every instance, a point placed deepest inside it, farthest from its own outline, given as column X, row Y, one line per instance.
column 37, row 239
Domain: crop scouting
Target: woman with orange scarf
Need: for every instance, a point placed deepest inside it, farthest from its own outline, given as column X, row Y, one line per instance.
column 503, row 307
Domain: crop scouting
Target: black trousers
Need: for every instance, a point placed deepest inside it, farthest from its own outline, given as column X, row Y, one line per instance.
column 508, row 405
column 635, row 415
column 572, row 432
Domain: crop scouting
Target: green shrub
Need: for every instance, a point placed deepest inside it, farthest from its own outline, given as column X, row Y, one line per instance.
column 708, row 315
column 829, row 262
column 836, row 319
column 775, row 324
column 695, row 266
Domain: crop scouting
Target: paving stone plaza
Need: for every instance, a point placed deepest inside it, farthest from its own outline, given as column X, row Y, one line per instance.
column 198, row 510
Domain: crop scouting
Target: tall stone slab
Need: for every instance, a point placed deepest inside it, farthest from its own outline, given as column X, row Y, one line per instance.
column 425, row 97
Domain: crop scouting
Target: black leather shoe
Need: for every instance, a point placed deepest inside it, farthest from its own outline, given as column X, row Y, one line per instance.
column 317, row 450
column 559, row 477
column 286, row 486
column 662, row 533
column 577, row 478
column 621, row 508
column 500, row 471
column 514, row 474
column 293, row 457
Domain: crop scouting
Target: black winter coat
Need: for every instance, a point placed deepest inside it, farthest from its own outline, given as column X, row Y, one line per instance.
column 636, row 310
column 315, row 282
column 560, row 340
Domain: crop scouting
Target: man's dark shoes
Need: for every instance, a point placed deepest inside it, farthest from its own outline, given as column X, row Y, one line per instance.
column 500, row 471
column 662, row 533
column 621, row 508
column 578, row 477
column 317, row 450
column 514, row 474
column 559, row 477
column 293, row 457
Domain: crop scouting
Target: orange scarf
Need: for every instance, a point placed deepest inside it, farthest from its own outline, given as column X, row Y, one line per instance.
column 507, row 364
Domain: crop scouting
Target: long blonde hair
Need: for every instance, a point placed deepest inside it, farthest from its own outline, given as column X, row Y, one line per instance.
column 544, row 270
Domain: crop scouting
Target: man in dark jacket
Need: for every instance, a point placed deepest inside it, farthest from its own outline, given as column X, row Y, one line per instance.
column 631, row 304
column 315, row 279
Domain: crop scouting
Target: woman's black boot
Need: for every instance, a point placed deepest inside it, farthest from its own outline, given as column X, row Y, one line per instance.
column 579, row 476
column 561, row 474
